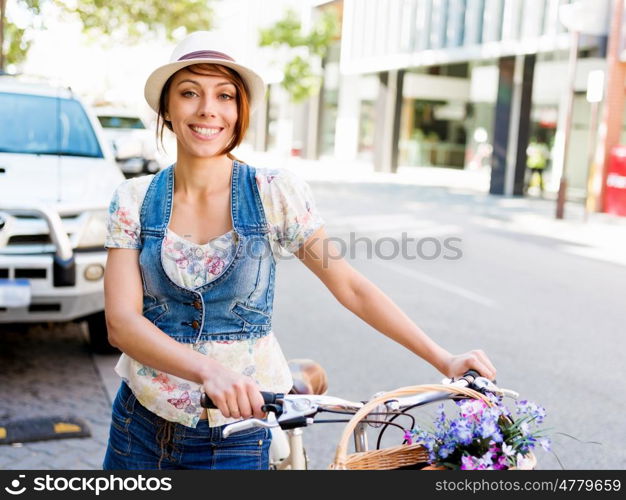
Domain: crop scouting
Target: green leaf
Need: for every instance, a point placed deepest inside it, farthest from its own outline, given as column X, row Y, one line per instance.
column 115, row 22
column 300, row 80
column 16, row 44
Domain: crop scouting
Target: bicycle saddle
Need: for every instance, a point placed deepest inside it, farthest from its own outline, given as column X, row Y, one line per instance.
column 308, row 377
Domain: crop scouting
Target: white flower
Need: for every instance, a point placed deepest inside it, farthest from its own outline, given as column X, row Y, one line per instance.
column 508, row 450
column 524, row 428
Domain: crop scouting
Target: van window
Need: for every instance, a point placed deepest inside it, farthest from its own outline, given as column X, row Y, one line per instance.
column 31, row 124
column 121, row 122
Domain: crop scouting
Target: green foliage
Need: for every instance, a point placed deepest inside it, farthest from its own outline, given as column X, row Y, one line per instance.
column 139, row 19
column 301, row 80
column 120, row 21
column 15, row 45
column 286, row 31
column 16, row 41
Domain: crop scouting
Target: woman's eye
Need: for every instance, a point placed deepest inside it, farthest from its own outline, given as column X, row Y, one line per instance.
column 188, row 93
column 226, row 97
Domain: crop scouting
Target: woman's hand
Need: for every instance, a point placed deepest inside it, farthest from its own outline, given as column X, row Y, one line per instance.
column 235, row 395
column 457, row 365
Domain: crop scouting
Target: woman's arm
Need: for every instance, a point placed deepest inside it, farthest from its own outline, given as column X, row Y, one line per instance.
column 234, row 394
column 368, row 302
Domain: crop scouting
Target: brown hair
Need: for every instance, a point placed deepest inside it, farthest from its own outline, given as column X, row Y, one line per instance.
column 242, row 98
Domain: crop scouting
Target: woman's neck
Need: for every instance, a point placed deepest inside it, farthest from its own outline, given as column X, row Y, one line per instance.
column 197, row 178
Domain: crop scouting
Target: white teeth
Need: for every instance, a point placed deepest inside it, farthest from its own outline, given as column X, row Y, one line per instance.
column 207, row 132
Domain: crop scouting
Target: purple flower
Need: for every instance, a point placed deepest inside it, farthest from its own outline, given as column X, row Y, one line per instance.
column 489, row 428
column 502, row 463
column 546, row 444
column 477, row 435
column 532, row 410
column 441, row 419
column 446, row 449
column 468, row 462
column 461, row 431
column 486, row 461
column 472, row 409
column 408, row 437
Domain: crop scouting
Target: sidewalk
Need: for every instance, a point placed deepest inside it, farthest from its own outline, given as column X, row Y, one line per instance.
column 601, row 237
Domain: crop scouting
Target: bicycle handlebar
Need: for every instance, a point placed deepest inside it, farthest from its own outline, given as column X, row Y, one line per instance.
column 298, row 410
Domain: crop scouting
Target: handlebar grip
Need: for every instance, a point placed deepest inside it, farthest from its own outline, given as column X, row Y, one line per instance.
column 470, row 375
column 268, row 398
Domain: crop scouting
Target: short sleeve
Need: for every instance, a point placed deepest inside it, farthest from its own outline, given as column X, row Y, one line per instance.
column 123, row 224
column 289, row 208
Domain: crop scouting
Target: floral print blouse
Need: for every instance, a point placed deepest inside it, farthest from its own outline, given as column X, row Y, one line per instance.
column 292, row 218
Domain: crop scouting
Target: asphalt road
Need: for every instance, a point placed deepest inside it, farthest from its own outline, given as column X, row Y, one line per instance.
column 551, row 320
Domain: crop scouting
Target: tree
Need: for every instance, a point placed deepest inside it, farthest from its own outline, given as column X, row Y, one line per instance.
column 14, row 42
column 301, row 80
column 123, row 21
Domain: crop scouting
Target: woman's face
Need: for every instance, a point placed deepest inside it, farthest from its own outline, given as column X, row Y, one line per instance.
column 203, row 112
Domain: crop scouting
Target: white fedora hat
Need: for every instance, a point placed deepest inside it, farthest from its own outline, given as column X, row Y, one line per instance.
column 202, row 47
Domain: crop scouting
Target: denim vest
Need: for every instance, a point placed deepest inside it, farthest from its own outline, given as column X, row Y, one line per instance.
column 237, row 304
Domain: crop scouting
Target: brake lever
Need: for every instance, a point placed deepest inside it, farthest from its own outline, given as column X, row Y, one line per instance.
column 487, row 385
column 287, row 414
column 247, row 424
column 484, row 384
column 296, row 411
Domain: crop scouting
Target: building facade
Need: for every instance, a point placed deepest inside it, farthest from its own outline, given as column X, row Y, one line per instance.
column 463, row 84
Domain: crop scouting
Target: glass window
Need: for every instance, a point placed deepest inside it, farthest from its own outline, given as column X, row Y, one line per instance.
column 407, row 34
column 492, row 21
column 44, row 125
column 121, row 122
column 423, row 24
column 511, row 19
column 456, row 21
column 439, row 16
column 474, row 22
column 533, row 14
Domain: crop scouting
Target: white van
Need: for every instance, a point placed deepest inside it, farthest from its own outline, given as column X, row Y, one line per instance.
column 132, row 141
column 57, row 176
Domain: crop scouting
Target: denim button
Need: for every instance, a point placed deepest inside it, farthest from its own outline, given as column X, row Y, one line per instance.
column 195, row 324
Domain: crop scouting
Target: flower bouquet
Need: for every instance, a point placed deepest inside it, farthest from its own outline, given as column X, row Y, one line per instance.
column 484, row 436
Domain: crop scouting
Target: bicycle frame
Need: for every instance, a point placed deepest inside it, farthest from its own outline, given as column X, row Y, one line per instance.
column 296, row 458
column 289, row 452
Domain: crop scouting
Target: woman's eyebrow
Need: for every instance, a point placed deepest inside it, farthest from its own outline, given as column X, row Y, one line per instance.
column 194, row 82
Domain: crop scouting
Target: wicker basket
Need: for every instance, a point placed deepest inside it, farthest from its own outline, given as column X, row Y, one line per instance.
column 413, row 456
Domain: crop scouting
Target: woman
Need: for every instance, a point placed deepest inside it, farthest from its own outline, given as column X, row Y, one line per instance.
column 190, row 278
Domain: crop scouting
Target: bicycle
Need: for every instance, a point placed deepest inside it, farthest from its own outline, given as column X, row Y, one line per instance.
column 288, row 414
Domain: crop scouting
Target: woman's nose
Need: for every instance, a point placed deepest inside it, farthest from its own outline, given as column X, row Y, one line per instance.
column 206, row 106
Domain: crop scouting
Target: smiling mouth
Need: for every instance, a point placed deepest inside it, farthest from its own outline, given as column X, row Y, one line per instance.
column 205, row 132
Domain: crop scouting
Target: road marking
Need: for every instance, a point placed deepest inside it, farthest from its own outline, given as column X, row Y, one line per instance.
column 437, row 283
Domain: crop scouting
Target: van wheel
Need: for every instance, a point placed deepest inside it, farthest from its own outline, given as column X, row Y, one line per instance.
column 98, row 336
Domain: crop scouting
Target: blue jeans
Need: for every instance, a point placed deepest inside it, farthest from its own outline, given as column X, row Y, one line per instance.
column 134, row 442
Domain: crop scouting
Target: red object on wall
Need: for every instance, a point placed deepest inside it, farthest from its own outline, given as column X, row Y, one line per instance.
column 615, row 196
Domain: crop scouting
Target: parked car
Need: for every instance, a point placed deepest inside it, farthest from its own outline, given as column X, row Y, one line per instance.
column 57, row 176
column 133, row 143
